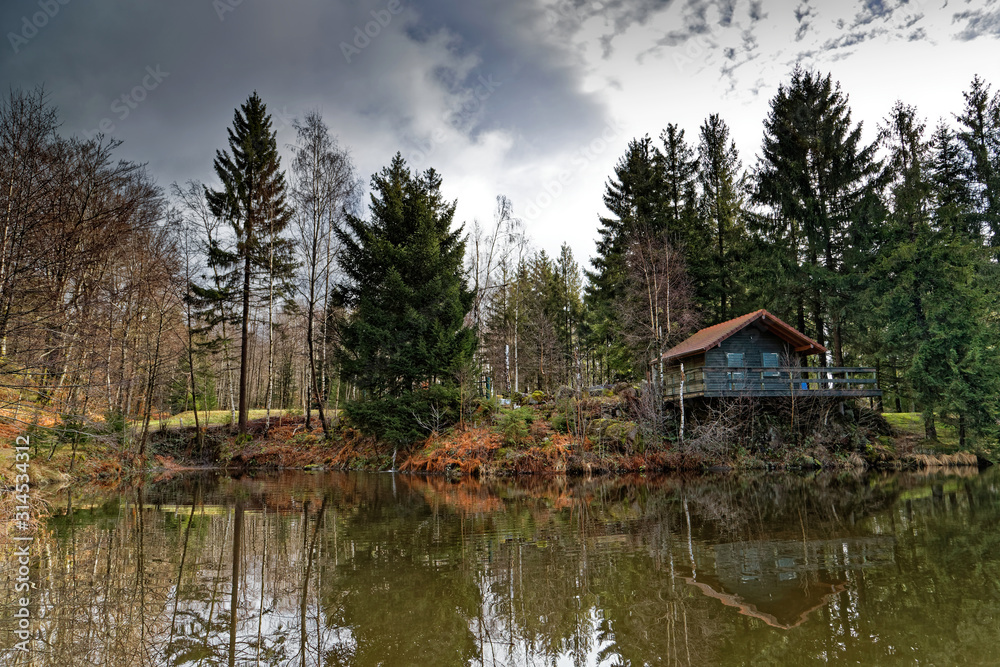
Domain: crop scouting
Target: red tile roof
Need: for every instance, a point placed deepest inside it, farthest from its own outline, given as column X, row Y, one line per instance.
column 712, row 336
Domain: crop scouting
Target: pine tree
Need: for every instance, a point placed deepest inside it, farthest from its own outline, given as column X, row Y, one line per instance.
column 634, row 198
column 569, row 301
column 404, row 342
column 814, row 180
column 935, row 281
column 980, row 137
column 542, row 356
column 252, row 202
column 952, row 197
column 686, row 231
column 721, row 207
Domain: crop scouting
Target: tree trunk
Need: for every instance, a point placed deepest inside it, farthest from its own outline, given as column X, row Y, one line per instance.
column 930, row 429
column 315, row 378
column 244, row 347
column 194, row 386
column 270, row 335
column 234, row 598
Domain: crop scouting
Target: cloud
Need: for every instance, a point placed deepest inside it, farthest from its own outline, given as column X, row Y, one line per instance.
column 726, row 9
column 802, row 15
column 872, row 10
column 978, row 23
column 852, row 39
column 494, row 94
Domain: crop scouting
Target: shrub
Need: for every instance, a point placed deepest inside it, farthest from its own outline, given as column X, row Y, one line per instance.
column 514, row 425
column 408, row 418
column 559, row 423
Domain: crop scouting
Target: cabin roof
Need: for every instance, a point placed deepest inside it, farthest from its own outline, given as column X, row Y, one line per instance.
column 713, row 336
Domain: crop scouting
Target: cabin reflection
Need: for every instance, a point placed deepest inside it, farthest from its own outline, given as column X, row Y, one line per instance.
column 782, row 582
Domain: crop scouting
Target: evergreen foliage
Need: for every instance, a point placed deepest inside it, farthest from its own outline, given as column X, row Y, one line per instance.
column 404, row 342
column 252, row 202
column 721, row 207
column 815, row 180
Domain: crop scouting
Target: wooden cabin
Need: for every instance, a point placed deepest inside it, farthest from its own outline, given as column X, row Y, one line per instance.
column 759, row 355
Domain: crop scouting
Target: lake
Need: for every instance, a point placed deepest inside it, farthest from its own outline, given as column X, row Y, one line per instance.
column 382, row 569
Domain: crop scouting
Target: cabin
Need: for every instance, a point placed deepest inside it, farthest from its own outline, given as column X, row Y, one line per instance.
column 782, row 582
column 757, row 355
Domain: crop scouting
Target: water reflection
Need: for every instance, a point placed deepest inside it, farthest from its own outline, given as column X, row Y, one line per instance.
column 390, row 570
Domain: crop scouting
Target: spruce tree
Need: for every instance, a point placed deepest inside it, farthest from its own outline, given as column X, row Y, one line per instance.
column 686, row 231
column 404, row 342
column 721, row 207
column 634, row 198
column 252, row 202
column 935, row 281
column 814, row 180
column 980, row 136
column 568, row 295
column 954, row 204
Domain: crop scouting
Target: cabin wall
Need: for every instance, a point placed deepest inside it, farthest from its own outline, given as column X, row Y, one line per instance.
column 753, row 343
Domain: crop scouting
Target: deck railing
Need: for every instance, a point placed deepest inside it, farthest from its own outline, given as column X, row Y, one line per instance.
column 771, row 381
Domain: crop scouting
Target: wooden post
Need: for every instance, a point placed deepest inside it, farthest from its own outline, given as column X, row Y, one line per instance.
column 682, row 401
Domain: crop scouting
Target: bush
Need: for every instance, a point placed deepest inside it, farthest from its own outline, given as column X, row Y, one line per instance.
column 487, row 407
column 115, row 425
column 408, row 418
column 514, row 425
column 559, row 423
column 70, row 430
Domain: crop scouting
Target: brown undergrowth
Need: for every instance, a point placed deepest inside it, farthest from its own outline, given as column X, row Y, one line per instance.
column 532, row 440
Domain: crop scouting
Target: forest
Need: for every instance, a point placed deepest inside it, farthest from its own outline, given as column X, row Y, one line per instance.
column 278, row 288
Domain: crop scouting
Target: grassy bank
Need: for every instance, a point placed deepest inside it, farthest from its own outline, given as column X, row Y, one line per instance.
column 571, row 435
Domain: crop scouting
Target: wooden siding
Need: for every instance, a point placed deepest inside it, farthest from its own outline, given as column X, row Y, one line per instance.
column 752, row 349
column 709, row 375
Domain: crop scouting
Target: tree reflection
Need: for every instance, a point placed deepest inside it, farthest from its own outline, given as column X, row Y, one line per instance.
column 388, row 570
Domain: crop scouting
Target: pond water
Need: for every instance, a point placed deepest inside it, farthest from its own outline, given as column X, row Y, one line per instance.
column 382, row 569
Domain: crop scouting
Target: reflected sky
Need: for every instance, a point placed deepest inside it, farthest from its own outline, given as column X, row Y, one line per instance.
column 377, row 569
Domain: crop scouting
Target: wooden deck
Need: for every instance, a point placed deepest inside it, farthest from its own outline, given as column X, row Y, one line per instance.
column 726, row 382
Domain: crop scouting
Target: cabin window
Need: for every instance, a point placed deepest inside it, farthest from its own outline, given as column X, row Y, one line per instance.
column 771, row 361
column 735, row 360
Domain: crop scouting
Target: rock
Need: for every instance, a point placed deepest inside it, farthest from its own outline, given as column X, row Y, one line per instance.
column 807, row 462
column 614, row 432
column 564, row 392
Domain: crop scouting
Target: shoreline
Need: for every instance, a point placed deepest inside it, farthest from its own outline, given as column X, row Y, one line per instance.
column 476, row 453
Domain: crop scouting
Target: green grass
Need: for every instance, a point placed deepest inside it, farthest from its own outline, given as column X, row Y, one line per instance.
column 215, row 417
column 912, row 423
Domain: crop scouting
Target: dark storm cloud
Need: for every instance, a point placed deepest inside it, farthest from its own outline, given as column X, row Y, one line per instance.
column 385, row 72
column 540, row 78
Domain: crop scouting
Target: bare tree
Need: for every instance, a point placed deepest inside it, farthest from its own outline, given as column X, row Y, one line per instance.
column 325, row 184
column 496, row 312
column 215, row 309
column 658, row 306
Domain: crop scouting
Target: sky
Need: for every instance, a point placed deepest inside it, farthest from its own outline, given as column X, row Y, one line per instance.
column 532, row 99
